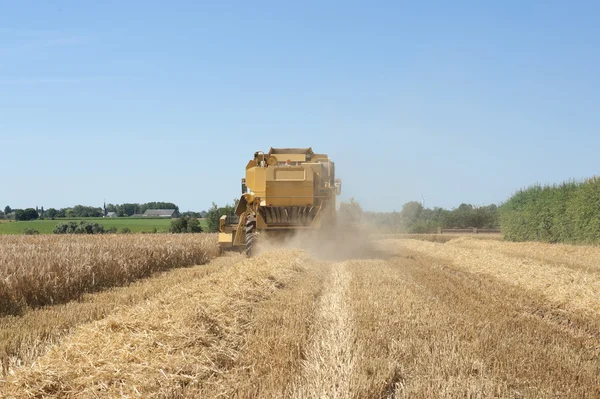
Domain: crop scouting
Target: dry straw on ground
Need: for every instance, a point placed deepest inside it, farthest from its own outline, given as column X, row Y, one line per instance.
column 24, row 338
column 330, row 356
column 182, row 343
column 568, row 276
column 427, row 329
column 467, row 318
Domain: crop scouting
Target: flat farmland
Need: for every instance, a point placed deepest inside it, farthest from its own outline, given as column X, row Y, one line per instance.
column 394, row 317
column 136, row 225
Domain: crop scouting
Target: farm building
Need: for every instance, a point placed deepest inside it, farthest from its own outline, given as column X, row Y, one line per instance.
column 111, row 214
column 162, row 213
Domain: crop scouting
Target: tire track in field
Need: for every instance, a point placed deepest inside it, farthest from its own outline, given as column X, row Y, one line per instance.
column 330, row 357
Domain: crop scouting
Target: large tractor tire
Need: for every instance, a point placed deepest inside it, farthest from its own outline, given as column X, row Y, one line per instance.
column 251, row 235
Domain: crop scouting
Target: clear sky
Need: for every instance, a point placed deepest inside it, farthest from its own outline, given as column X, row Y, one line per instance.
column 137, row 101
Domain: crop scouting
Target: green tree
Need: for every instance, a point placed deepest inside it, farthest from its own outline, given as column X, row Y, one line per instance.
column 26, row 214
column 350, row 212
column 414, row 218
column 191, row 214
column 185, row 224
column 7, row 210
column 178, row 225
column 65, row 228
column 127, row 209
column 51, row 213
column 214, row 214
column 82, row 211
column 194, row 226
column 212, row 218
column 411, row 211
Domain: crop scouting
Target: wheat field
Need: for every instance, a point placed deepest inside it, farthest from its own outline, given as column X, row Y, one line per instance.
column 394, row 318
column 45, row 270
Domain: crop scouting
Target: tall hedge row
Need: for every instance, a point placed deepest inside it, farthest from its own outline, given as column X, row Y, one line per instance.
column 568, row 213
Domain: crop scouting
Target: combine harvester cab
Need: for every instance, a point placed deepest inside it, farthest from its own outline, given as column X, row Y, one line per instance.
column 286, row 190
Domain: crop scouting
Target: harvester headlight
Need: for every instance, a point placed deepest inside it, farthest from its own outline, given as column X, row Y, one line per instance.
column 249, row 198
column 272, row 161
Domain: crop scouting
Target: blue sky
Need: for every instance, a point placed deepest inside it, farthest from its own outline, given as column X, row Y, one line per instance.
column 137, row 101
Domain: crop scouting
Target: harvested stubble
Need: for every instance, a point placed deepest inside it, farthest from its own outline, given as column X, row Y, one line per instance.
column 568, row 276
column 436, row 237
column 425, row 320
column 43, row 270
column 25, row 337
column 426, row 329
column 280, row 333
column 330, row 355
column 194, row 340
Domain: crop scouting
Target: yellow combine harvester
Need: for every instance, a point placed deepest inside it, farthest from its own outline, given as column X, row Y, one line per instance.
column 286, row 190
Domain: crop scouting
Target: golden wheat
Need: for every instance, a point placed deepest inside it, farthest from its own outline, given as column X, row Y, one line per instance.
column 182, row 343
column 44, row 270
column 568, row 276
column 428, row 329
column 468, row 318
column 24, row 338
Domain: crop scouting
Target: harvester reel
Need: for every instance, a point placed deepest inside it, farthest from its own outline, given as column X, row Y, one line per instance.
column 251, row 234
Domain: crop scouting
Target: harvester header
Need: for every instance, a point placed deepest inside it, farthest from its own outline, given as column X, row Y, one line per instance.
column 286, row 189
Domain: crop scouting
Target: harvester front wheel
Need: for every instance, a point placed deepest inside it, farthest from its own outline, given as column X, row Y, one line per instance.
column 251, row 235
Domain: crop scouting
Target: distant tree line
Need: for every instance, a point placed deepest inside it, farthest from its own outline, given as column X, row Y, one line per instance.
column 568, row 212
column 415, row 218
column 20, row 214
column 192, row 214
column 83, row 211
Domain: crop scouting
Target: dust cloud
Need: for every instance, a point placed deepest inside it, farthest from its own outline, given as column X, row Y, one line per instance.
column 332, row 244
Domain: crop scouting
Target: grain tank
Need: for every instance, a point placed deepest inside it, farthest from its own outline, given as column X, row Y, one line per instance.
column 285, row 190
